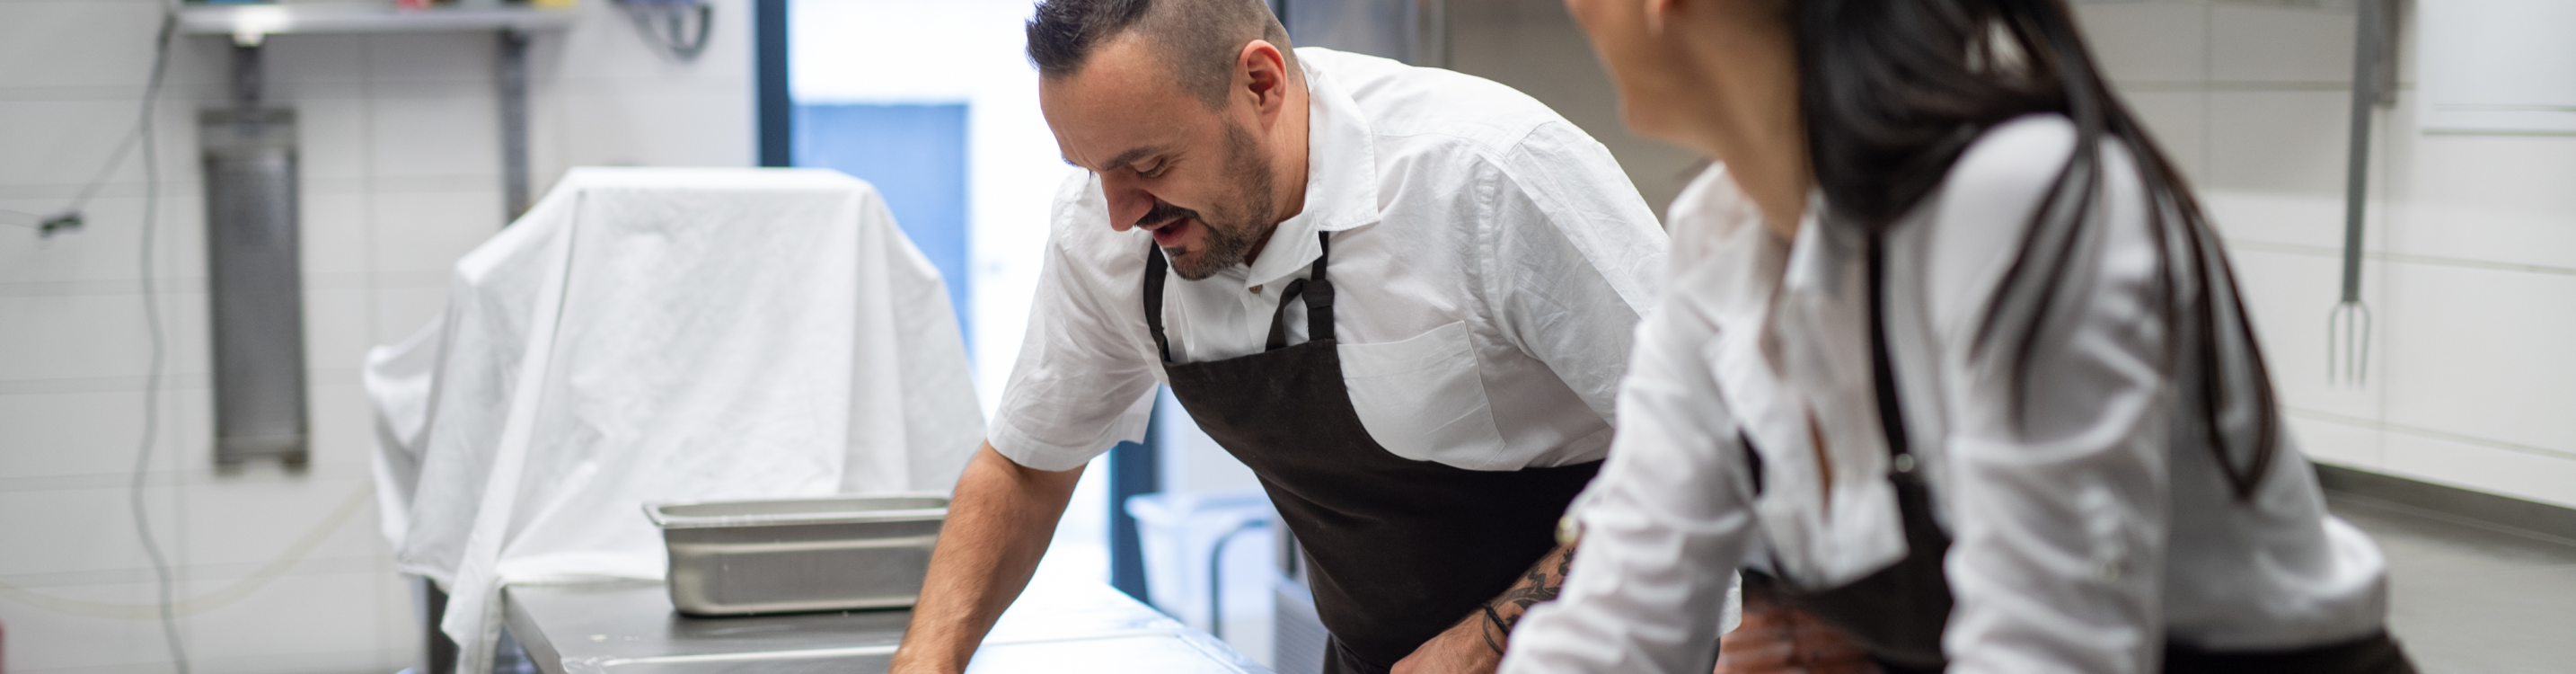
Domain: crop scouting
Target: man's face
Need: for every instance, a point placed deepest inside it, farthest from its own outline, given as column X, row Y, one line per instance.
column 1201, row 180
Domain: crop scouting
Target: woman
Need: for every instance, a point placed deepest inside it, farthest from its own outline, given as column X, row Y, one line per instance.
column 1948, row 358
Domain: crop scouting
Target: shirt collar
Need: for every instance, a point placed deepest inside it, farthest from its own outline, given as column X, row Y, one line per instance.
column 1341, row 179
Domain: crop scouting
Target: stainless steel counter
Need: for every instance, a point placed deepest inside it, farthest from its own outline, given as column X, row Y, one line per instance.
column 1057, row 626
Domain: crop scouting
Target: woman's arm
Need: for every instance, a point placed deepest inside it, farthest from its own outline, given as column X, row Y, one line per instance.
column 2057, row 499
column 1663, row 526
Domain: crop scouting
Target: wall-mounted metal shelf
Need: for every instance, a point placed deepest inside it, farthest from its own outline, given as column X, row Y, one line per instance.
column 248, row 24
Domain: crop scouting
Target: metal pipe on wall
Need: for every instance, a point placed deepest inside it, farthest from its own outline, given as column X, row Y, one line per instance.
column 513, row 80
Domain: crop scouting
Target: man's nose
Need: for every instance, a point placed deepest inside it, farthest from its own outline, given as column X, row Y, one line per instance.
column 1127, row 201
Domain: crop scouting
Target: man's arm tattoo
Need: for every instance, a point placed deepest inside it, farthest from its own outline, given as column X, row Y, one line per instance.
column 1540, row 584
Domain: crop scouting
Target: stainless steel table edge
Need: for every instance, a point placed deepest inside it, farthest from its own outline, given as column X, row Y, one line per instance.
column 1139, row 621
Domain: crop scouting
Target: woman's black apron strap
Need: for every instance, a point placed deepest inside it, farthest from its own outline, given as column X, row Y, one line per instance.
column 1895, row 613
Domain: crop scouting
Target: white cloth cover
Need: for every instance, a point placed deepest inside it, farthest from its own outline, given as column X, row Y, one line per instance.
column 647, row 335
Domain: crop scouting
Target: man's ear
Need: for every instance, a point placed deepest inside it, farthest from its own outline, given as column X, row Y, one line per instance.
column 1262, row 73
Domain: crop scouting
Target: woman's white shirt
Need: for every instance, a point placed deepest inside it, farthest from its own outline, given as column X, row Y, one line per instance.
column 2086, row 532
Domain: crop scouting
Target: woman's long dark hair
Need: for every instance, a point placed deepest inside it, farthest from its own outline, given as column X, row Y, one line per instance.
column 1893, row 91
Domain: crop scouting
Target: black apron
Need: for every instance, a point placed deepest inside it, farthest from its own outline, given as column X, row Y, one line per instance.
column 1898, row 612
column 1397, row 549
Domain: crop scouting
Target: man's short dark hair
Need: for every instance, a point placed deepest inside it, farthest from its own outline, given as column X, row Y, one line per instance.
column 1198, row 39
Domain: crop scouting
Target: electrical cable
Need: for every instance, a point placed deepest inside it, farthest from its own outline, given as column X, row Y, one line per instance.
column 152, row 320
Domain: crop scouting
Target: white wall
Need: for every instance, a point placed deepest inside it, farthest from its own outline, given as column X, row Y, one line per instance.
column 2470, row 240
column 278, row 572
column 1534, row 46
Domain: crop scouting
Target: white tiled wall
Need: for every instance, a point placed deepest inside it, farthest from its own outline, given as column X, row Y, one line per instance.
column 277, row 571
column 2471, row 240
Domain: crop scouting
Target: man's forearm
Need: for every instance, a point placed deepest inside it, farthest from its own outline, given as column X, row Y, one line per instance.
column 999, row 522
column 1474, row 645
column 1539, row 584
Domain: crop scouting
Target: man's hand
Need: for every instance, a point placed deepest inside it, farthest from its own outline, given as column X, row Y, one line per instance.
column 1475, row 645
column 998, row 526
column 1468, row 647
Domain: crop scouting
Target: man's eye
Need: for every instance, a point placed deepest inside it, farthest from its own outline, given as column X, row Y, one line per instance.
column 1156, row 171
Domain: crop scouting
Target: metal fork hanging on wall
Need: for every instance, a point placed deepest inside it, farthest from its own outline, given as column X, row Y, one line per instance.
column 2348, row 325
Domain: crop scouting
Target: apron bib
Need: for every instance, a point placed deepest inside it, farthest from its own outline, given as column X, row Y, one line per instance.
column 1397, row 550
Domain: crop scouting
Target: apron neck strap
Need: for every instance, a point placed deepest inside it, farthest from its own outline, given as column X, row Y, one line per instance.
column 1318, row 293
column 1154, row 266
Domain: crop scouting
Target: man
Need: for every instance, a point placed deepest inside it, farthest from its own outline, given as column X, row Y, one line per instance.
column 1402, row 296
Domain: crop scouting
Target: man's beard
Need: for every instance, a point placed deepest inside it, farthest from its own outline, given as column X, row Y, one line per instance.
column 1235, row 226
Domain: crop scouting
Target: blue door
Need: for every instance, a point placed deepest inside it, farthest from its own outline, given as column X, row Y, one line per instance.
column 916, row 157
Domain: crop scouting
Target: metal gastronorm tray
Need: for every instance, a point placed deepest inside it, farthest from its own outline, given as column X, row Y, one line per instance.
column 790, row 555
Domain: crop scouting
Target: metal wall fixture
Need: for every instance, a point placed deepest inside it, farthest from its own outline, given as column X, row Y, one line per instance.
column 255, row 281
column 2373, row 85
column 676, row 27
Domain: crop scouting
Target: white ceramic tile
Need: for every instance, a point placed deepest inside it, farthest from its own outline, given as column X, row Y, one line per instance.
column 65, row 434
column 331, row 137
column 2289, row 295
column 2148, row 42
column 257, row 519
column 403, row 312
column 74, row 530
column 2175, row 119
column 2280, row 44
column 66, row 637
column 69, row 337
column 2548, row 479
column 107, row 247
column 2500, row 199
column 332, row 231
column 700, row 125
column 2289, row 142
column 336, row 324
column 57, row 142
column 189, row 424
column 76, row 44
column 2481, row 353
column 344, row 430
column 297, row 623
column 430, row 231
column 2308, row 220
column 2338, row 442
column 435, row 136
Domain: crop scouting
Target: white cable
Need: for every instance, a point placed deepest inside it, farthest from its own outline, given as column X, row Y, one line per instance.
column 152, row 321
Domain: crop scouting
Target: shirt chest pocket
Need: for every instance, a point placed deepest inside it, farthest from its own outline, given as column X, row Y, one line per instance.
column 1422, row 398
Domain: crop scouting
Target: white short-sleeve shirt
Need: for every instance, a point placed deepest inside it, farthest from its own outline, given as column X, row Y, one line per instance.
column 1490, row 262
